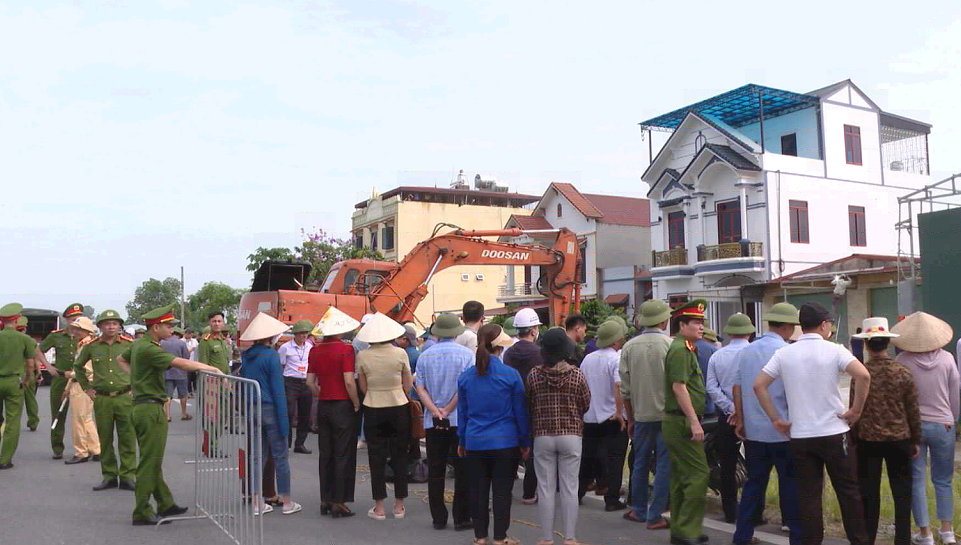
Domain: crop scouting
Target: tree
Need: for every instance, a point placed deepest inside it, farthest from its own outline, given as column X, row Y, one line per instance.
column 213, row 297
column 596, row 311
column 322, row 251
column 152, row 294
column 256, row 259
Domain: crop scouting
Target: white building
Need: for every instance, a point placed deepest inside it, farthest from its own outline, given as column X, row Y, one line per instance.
column 757, row 183
column 615, row 247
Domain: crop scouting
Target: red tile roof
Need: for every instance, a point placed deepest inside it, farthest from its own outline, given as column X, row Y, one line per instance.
column 617, row 299
column 631, row 211
column 531, row 222
column 580, row 202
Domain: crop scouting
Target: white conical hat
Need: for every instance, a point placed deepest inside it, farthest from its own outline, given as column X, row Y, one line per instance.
column 922, row 332
column 334, row 322
column 263, row 326
column 380, row 329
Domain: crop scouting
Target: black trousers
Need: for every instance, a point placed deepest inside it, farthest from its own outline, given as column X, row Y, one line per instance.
column 487, row 470
column 729, row 447
column 602, row 459
column 897, row 456
column 442, row 450
column 388, row 435
column 530, row 477
column 838, row 455
column 298, row 406
column 337, row 449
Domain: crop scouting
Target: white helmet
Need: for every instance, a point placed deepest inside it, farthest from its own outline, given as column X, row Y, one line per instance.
column 526, row 317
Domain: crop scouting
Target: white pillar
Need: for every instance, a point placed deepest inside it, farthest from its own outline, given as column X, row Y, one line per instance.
column 744, row 210
column 702, row 206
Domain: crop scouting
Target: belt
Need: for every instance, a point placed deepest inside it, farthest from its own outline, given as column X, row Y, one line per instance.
column 295, row 378
column 114, row 394
column 147, row 400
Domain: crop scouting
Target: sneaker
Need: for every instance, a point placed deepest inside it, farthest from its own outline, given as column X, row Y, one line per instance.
column 947, row 538
column 918, row 539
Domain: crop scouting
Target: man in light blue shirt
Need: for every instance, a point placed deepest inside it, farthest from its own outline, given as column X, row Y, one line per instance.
column 765, row 447
column 438, row 369
column 719, row 382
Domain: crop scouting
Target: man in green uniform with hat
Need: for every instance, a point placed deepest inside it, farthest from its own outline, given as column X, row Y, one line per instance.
column 684, row 403
column 214, row 348
column 146, row 363
column 16, row 360
column 65, row 348
column 112, row 403
column 30, row 393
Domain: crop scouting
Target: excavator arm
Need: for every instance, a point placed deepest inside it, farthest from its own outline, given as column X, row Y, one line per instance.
column 400, row 292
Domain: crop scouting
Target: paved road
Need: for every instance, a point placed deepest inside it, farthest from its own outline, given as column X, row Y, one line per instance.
column 45, row 502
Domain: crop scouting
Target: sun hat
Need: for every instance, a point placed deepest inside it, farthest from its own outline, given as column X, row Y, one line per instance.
column 618, row 320
column 447, row 326
column 710, row 335
column 85, row 324
column 609, row 333
column 503, row 340
column 875, row 327
column 302, row 326
column 263, row 326
column 784, row 313
column 556, row 345
column 922, row 332
column 653, row 312
column 334, row 322
column 739, row 324
column 526, row 317
column 380, row 329
column 509, row 327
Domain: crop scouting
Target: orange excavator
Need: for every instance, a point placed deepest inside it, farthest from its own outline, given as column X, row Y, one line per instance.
column 361, row 286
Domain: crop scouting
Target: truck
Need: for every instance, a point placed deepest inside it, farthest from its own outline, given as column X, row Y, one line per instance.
column 40, row 323
column 361, row 286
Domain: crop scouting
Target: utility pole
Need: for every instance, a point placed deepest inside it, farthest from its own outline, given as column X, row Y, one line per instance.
column 183, row 305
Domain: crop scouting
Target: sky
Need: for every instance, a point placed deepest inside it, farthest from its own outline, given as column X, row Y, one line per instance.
column 137, row 137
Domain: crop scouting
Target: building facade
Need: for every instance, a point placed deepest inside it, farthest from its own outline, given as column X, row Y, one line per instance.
column 396, row 221
column 758, row 183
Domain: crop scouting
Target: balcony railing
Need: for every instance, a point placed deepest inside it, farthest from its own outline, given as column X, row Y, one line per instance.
column 731, row 250
column 670, row 258
column 517, row 290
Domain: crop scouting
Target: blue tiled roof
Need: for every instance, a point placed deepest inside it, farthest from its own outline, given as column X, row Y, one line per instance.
column 738, row 107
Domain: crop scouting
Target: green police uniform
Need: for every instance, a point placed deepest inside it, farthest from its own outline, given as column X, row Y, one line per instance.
column 113, row 404
column 216, row 351
column 148, row 361
column 15, row 349
column 66, row 352
column 689, row 471
column 30, row 392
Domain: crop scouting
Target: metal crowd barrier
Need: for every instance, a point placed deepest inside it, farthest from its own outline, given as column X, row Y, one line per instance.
column 228, row 461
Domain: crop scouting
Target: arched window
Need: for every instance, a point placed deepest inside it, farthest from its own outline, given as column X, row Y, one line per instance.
column 699, row 141
column 560, row 211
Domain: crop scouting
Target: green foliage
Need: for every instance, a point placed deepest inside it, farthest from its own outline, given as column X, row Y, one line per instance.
column 261, row 254
column 596, row 311
column 213, row 297
column 499, row 320
column 151, row 294
column 322, row 251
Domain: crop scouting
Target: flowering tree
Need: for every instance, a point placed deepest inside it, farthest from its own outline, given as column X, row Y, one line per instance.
column 322, row 251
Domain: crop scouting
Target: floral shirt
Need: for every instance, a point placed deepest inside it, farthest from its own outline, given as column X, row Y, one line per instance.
column 891, row 411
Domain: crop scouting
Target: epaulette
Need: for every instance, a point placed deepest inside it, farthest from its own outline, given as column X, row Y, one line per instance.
column 56, row 331
column 156, row 343
column 690, row 346
column 127, row 338
column 207, row 337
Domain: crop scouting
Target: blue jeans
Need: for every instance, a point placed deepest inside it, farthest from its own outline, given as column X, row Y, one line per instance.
column 761, row 458
column 274, row 440
column 940, row 441
column 649, row 440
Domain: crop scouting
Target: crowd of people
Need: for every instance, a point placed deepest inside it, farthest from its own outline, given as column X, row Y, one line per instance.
column 492, row 402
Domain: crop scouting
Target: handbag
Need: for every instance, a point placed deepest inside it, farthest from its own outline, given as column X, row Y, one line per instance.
column 416, row 420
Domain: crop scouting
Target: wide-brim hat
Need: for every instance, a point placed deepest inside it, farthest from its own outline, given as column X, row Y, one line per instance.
column 710, row 335
column 609, row 333
column 335, row 322
column 653, row 312
column 447, row 326
column 556, row 345
column 85, row 324
column 303, row 326
column 922, row 332
column 875, row 327
column 739, row 324
column 109, row 315
column 263, row 326
column 380, row 329
column 503, row 340
column 784, row 313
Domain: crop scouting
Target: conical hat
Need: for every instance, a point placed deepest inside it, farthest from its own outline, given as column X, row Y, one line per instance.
column 334, row 322
column 922, row 332
column 263, row 326
column 380, row 329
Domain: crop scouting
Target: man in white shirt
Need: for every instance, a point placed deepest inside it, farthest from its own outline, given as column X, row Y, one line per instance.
column 473, row 314
column 819, row 424
column 293, row 360
column 605, row 429
column 190, row 338
column 721, row 370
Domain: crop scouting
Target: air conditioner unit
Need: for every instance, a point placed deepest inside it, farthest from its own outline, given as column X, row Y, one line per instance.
column 465, row 277
column 480, row 277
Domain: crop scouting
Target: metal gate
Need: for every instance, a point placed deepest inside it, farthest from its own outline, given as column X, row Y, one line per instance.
column 228, row 457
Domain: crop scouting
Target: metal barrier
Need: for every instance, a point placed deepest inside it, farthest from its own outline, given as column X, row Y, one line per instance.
column 229, row 459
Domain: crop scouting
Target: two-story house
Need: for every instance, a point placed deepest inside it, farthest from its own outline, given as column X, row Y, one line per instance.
column 757, row 183
column 615, row 247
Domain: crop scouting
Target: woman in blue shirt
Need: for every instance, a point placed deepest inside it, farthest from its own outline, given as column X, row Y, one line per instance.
column 261, row 362
column 493, row 428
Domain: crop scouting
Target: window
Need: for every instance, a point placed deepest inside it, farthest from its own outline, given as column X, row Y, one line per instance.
column 729, row 221
column 856, row 226
column 359, row 240
column 675, row 301
column 675, row 230
column 373, row 240
column 350, row 278
column 789, row 144
column 388, row 238
column 799, row 221
column 852, row 144
column 560, row 211
column 582, row 270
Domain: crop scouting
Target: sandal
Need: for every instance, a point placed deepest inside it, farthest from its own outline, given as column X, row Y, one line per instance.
column 186, row 417
column 508, row 541
column 480, row 541
column 294, row 508
column 400, row 515
column 529, row 501
column 274, row 501
column 374, row 515
column 263, row 510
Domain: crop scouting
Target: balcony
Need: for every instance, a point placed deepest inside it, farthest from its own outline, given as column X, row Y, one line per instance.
column 731, row 250
column 670, row 258
column 518, row 292
column 744, row 257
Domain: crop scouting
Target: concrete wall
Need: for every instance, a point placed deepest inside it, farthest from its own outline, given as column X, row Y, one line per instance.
column 623, row 245
column 574, row 220
column 835, row 117
column 804, row 123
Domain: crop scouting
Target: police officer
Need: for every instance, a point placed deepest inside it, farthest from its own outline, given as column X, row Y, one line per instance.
column 30, row 393
column 214, row 348
column 146, row 363
column 112, row 403
column 16, row 360
column 66, row 352
column 684, row 400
